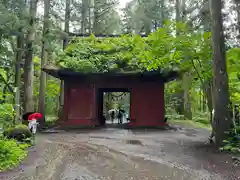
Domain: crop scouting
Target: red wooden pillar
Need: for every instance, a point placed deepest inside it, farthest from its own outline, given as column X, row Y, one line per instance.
column 147, row 105
column 66, row 101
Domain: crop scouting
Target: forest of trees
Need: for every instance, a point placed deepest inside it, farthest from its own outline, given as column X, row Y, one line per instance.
column 34, row 33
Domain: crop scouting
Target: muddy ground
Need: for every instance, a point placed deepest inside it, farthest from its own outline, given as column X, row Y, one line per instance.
column 118, row 154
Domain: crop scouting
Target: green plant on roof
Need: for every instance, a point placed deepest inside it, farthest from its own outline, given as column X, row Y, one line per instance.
column 160, row 50
column 102, row 54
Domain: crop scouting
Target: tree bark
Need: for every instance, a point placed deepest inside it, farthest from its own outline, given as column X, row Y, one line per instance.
column 237, row 3
column 89, row 17
column 162, row 2
column 85, row 6
column 19, row 56
column 207, row 87
column 220, row 76
column 65, row 44
column 44, row 59
column 179, row 101
column 28, row 66
column 177, row 6
column 180, row 94
column 95, row 28
column 67, row 21
column 187, row 79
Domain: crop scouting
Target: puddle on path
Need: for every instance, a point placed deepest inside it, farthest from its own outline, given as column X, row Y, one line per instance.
column 134, row 142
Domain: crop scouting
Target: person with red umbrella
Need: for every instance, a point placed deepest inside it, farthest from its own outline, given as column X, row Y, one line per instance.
column 32, row 118
column 32, row 122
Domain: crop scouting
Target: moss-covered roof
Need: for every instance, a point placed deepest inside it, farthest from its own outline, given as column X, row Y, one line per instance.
column 65, row 73
column 111, row 57
column 91, row 54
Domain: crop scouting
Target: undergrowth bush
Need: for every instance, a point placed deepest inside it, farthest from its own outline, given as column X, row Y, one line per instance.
column 6, row 115
column 19, row 132
column 175, row 116
column 11, row 153
column 50, row 121
column 202, row 118
column 232, row 143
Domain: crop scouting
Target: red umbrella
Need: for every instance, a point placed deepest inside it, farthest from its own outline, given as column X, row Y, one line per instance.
column 35, row 116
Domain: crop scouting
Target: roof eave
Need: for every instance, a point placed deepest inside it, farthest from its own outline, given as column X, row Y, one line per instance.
column 64, row 73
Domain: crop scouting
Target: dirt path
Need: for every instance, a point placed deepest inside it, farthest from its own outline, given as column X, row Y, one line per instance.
column 113, row 154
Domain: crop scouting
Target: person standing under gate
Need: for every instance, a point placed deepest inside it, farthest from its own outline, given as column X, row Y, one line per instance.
column 120, row 115
column 112, row 114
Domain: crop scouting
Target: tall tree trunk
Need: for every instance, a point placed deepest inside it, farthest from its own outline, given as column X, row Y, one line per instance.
column 187, row 78
column 89, row 17
column 28, row 66
column 178, row 13
column 19, row 56
column 208, row 93
column 237, row 3
column 183, row 11
column 220, row 85
column 162, row 2
column 147, row 26
column 44, row 59
column 95, row 28
column 204, row 109
column 84, row 15
column 65, row 44
column 179, row 96
column 66, row 25
column 207, row 84
column 179, row 101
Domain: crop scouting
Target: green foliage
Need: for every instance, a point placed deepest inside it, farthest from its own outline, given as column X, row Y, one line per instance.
column 189, row 123
column 175, row 116
column 6, row 115
column 232, row 143
column 201, row 117
column 52, row 89
column 50, row 121
column 101, row 55
column 52, row 96
column 20, row 133
column 11, row 153
column 233, row 57
column 161, row 49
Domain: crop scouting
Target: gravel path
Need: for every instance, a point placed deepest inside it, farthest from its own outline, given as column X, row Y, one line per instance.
column 117, row 154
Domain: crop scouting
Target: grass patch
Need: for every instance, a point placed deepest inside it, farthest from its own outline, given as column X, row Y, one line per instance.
column 190, row 123
column 11, row 153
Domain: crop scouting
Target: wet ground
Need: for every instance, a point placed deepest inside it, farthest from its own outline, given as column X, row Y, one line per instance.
column 118, row 154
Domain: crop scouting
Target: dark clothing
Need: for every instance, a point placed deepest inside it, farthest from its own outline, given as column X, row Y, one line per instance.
column 102, row 120
column 26, row 115
column 120, row 115
column 112, row 114
column 122, row 111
